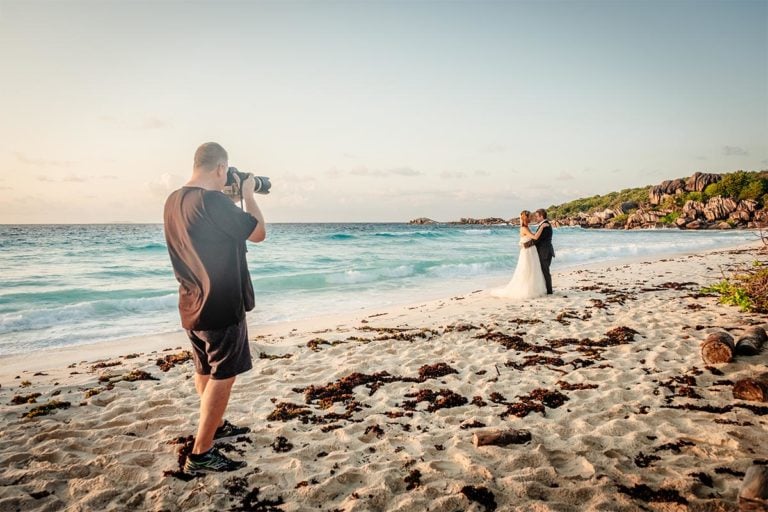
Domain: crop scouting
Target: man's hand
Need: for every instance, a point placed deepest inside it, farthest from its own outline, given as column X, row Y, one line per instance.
column 248, row 185
column 529, row 243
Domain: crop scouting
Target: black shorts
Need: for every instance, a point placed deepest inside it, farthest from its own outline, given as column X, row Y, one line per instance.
column 221, row 353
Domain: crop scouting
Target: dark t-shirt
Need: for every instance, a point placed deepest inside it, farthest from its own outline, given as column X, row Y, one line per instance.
column 206, row 233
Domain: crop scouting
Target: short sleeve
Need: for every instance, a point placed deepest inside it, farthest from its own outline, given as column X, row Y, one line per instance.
column 227, row 217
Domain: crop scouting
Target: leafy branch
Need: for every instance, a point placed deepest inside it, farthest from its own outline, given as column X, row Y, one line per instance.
column 748, row 290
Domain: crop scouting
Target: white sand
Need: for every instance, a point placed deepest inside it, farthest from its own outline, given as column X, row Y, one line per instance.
column 109, row 451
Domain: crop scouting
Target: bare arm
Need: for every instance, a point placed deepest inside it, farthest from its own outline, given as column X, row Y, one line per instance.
column 527, row 232
column 259, row 233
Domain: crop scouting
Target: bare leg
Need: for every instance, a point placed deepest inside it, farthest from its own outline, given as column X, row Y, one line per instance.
column 213, row 403
column 200, row 382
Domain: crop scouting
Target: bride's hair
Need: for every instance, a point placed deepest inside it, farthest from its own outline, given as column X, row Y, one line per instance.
column 527, row 215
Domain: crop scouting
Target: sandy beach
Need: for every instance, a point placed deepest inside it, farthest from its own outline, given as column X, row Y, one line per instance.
column 376, row 411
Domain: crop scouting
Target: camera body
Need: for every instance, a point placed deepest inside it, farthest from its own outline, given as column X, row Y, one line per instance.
column 261, row 186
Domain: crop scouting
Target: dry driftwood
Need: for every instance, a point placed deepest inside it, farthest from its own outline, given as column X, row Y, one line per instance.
column 751, row 342
column 717, row 348
column 754, row 489
column 501, row 437
column 755, row 389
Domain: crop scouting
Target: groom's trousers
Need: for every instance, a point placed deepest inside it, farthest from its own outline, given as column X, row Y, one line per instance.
column 545, row 263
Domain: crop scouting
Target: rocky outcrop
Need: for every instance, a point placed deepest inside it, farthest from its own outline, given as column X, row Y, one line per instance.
column 693, row 209
column 422, row 221
column 701, row 180
column 488, row 221
column 696, row 183
column 667, row 188
column 719, row 208
column 645, row 218
column 720, row 213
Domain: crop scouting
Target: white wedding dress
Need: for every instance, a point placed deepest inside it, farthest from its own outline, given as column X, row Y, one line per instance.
column 528, row 280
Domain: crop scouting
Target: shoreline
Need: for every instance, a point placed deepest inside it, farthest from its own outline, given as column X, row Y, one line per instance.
column 151, row 343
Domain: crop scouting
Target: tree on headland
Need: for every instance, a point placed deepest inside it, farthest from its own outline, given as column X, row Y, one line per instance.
column 741, row 185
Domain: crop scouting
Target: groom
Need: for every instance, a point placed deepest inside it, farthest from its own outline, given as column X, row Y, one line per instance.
column 544, row 247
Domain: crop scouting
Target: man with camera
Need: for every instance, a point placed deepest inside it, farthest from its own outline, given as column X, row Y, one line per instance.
column 206, row 234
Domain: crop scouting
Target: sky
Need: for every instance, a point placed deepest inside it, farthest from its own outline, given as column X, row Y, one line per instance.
column 373, row 111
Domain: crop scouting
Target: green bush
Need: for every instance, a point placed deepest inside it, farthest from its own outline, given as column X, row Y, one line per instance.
column 739, row 185
column 599, row 202
column 748, row 291
column 620, row 220
column 753, row 190
column 730, row 294
column 668, row 203
column 694, row 196
column 669, row 218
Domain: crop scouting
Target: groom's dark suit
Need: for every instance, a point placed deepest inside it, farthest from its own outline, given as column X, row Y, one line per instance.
column 546, row 251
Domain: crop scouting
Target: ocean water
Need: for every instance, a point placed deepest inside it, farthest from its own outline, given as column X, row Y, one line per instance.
column 65, row 285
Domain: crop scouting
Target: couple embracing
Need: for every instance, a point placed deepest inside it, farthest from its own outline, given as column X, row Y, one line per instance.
column 531, row 278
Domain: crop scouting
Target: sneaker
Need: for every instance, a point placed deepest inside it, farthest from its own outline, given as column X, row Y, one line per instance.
column 212, row 460
column 230, row 430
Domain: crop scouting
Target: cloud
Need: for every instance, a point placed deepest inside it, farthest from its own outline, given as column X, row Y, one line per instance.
column 452, row 175
column 379, row 173
column 297, row 178
column 148, row 123
column 404, row 171
column 565, row 176
column 153, row 123
column 486, row 173
column 164, row 184
column 493, row 148
column 72, row 178
column 734, row 151
column 364, row 171
column 41, row 162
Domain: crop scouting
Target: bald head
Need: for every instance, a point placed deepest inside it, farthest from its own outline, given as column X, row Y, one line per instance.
column 209, row 156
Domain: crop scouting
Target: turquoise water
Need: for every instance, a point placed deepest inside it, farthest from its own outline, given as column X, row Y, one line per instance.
column 72, row 284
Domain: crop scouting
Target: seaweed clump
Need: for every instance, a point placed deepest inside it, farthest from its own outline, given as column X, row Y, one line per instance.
column 25, row 399
column 171, row 360
column 45, row 409
column 281, row 445
column 644, row 493
column 443, row 399
column 285, row 411
column 237, row 487
column 480, row 495
column 513, row 342
column 135, row 375
column 435, row 371
column 413, row 480
column 535, row 401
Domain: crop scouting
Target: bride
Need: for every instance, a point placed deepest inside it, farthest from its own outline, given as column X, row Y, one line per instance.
column 528, row 280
